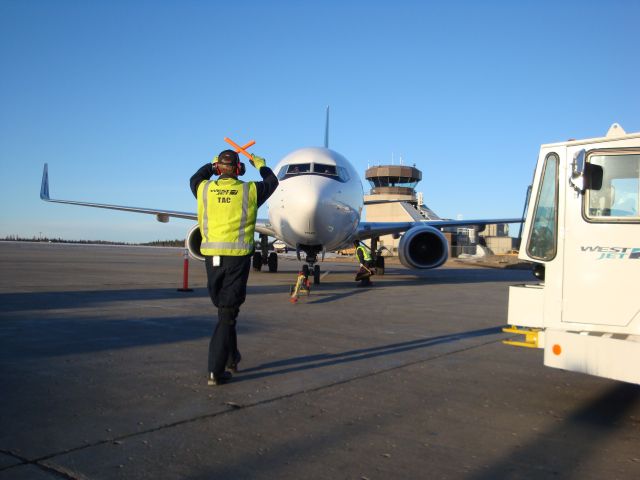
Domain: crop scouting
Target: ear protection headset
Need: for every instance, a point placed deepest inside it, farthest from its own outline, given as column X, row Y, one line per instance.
column 229, row 157
column 240, row 169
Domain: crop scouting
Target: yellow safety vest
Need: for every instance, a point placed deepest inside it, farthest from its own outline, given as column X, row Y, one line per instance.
column 227, row 210
column 366, row 255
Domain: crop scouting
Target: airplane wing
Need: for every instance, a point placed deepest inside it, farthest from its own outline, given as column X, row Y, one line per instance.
column 262, row 225
column 161, row 215
column 375, row 229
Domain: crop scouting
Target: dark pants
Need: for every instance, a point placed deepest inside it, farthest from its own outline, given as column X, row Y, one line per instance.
column 364, row 274
column 227, row 286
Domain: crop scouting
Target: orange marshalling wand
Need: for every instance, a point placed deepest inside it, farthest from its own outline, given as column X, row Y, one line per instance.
column 239, row 149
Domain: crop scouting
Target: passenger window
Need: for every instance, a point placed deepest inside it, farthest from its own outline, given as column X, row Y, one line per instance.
column 613, row 192
column 543, row 236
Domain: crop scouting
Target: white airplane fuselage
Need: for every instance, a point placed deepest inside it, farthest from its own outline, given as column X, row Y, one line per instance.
column 318, row 202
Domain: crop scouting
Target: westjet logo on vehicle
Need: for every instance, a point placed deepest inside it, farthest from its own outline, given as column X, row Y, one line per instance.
column 614, row 253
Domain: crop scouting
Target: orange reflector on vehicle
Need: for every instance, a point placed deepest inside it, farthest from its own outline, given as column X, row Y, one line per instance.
column 557, row 349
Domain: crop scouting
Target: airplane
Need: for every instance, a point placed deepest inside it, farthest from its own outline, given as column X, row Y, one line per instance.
column 317, row 208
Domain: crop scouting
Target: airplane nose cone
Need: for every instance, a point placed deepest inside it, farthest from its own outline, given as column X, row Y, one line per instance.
column 310, row 209
column 304, row 207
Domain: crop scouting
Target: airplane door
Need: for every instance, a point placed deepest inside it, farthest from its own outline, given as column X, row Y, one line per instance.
column 601, row 272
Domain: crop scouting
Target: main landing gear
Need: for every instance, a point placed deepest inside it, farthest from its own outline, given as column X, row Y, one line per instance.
column 378, row 259
column 263, row 257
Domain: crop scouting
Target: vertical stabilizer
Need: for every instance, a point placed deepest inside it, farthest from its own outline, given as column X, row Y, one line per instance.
column 44, row 188
column 326, row 130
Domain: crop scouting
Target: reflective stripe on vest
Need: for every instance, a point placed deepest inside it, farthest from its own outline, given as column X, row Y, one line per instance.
column 365, row 253
column 227, row 210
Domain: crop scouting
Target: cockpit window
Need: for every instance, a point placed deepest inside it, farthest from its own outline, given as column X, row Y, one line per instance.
column 293, row 169
column 299, row 168
column 324, row 169
column 343, row 174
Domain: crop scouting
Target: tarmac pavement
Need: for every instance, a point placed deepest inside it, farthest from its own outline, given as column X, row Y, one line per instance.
column 103, row 373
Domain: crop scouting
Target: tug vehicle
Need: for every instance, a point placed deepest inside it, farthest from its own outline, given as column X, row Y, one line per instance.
column 582, row 233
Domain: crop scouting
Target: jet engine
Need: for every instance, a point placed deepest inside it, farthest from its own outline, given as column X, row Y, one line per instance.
column 423, row 247
column 193, row 241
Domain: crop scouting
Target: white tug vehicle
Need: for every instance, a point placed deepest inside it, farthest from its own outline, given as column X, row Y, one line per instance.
column 582, row 231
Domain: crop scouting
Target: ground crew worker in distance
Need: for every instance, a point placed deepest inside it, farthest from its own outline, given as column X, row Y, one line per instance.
column 366, row 264
column 227, row 209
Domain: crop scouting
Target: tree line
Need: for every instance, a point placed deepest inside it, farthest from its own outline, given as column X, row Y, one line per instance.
column 155, row 243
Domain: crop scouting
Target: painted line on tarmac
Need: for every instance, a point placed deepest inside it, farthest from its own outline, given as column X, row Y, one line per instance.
column 325, row 274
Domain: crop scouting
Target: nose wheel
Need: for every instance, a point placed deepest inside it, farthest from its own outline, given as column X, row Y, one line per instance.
column 312, row 271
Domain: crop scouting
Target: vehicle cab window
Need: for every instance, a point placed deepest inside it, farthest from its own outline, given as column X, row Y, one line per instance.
column 613, row 190
column 543, row 237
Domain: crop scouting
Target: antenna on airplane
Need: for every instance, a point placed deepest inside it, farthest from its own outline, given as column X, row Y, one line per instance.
column 326, row 130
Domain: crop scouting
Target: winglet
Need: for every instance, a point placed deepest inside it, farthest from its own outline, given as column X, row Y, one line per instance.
column 44, row 189
column 326, row 130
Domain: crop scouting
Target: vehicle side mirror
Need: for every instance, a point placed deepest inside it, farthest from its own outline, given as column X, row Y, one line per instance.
column 577, row 179
column 594, row 176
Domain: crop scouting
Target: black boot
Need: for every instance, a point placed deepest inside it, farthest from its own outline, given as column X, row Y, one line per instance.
column 234, row 360
column 213, row 380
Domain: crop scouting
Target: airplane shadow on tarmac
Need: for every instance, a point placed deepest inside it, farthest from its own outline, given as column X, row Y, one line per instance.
column 331, row 289
column 585, row 430
column 309, row 362
column 459, row 275
column 407, row 278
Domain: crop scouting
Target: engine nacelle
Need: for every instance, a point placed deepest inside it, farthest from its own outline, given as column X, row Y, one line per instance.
column 423, row 247
column 193, row 242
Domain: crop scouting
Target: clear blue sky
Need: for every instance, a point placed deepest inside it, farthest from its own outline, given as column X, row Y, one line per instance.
column 126, row 99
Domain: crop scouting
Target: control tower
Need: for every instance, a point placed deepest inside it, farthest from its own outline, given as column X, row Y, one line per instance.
column 395, row 182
